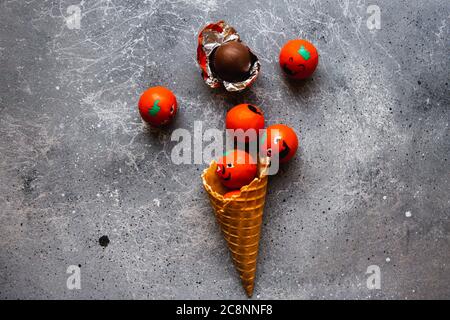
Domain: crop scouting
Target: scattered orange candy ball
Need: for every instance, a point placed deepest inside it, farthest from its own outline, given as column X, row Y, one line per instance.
column 279, row 139
column 245, row 116
column 299, row 59
column 158, row 106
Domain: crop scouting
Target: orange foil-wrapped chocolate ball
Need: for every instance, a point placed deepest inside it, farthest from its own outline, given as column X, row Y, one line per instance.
column 281, row 140
column 245, row 117
column 158, row 106
column 299, row 59
column 231, row 194
column 236, row 169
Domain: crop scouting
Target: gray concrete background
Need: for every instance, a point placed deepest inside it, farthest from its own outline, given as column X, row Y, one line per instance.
column 77, row 163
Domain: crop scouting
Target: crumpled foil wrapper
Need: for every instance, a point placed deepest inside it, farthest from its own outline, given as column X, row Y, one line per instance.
column 211, row 37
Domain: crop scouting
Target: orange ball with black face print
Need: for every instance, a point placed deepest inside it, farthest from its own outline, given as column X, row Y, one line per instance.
column 299, row 59
column 236, row 169
column 281, row 140
column 245, row 117
column 158, row 106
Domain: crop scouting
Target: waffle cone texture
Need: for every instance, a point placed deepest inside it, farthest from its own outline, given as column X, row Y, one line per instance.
column 240, row 218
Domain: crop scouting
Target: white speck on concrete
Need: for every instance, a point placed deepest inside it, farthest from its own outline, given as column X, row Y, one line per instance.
column 408, row 214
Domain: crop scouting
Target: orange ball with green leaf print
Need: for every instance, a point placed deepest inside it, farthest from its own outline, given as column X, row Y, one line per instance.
column 158, row 106
column 299, row 59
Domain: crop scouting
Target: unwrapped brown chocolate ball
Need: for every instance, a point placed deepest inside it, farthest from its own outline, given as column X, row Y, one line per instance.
column 232, row 61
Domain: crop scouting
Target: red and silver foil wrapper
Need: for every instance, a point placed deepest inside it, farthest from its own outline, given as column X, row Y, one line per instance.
column 211, row 37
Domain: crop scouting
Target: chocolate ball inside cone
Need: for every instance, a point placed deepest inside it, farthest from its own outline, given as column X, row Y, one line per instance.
column 232, row 61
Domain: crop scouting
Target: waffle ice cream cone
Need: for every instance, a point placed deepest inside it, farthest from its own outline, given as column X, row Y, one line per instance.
column 240, row 218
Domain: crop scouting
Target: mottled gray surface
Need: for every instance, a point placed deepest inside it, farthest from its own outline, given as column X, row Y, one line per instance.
column 76, row 161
